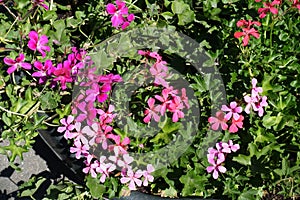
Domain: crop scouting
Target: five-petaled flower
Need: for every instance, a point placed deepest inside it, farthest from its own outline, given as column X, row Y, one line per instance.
column 217, row 121
column 38, row 43
column 15, row 64
column 120, row 16
column 269, row 7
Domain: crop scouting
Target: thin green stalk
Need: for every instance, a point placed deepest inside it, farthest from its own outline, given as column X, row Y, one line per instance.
column 11, row 112
column 10, row 28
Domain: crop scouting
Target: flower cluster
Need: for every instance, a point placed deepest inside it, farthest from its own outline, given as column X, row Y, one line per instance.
column 91, row 126
column 120, row 16
column 62, row 73
column 216, row 157
column 246, row 25
column 168, row 100
column 255, row 101
column 232, row 114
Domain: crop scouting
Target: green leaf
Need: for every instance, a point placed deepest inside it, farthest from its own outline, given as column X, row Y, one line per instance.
column 243, row 159
column 179, row 7
column 167, row 15
column 6, row 119
column 96, row 188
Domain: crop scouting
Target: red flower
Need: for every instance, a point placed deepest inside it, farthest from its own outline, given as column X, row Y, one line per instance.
column 246, row 34
column 269, row 7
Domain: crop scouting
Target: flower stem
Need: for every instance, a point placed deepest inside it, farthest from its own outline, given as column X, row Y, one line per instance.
column 11, row 112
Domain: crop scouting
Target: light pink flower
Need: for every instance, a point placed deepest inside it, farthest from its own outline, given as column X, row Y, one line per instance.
column 125, row 163
column 39, row 44
column 68, row 126
column 15, row 64
column 132, row 178
column 217, row 167
column 217, row 121
column 152, row 111
column 232, row 111
column 147, row 175
column 79, row 149
column 90, row 167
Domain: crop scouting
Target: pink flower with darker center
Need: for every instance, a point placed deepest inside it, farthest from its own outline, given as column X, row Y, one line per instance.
column 38, row 44
column 218, row 121
column 79, row 149
column 216, row 167
column 17, row 63
column 296, row 4
column 232, row 111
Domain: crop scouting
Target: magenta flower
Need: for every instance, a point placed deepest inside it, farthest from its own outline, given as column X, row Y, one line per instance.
column 151, row 111
column 39, row 44
column 217, row 121
column 121, row 146
column 79, row 149
column 15, row 64
column 44, row 70
column 232, row 111
column 132, row 178
column 40, row 3
column 98, row 92
column 63, row 74
column 269, row 7
column 235, row 124
column 120, row 16
column 259, row 106
column 164, row 99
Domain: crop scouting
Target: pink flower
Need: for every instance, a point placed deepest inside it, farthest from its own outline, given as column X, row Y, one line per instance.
column 15, row 64
column 133, row 178
column 244, row 23
column 159, row 71
column 269, row 7
column 235, row 124
column 247, row 32
column 175, row 107
column 296, row 4
column 67, row 122
column 79, row 149
column 259, row 106
column 120, row 17
column 184, row 98
column 151, row 111
column 147, row 175
column 89, row 112
column 78, row 134
column 44, row 70
column 98, row 92
column 36, row 43
column 40, row 3
column 125, row 163
column 255, row 91
column 90, row 167
column 164, row 99
column 232, row 111
column 216, row 167
column 217, row 121
column 121, row 146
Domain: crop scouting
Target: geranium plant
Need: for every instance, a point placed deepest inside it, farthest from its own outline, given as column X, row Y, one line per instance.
column 171, row 98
